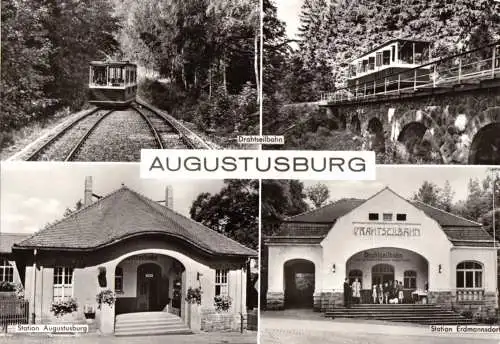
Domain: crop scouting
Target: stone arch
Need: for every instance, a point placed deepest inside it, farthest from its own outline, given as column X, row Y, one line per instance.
column 485, row 147
column 375, row 138
column 355, row 124
column 415, row 142
column 299, row 283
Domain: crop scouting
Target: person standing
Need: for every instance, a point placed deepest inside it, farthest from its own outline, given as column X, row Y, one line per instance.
column 385, row 289
column 400, row 292
column 347, row 294
column 380, row 294
column 356, row 290
column 374, row 294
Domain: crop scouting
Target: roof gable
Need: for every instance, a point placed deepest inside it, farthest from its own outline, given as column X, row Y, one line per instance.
column 125, row 213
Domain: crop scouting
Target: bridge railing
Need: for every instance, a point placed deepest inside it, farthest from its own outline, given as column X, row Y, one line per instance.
column 468, row 67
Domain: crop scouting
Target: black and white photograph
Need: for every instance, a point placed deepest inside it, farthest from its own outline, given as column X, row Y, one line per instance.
column 418, row 82
column 119, row 259
column 381, row 261
column 99, row 80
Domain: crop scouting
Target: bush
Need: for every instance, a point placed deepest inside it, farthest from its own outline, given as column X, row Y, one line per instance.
column 467, row 314
column 64, row 307
column 7, row 286
column 106, row 296
column 222, row 303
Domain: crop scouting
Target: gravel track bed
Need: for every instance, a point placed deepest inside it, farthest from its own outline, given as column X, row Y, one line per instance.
column 119, row 137
column 60, row 148
column 170, row 138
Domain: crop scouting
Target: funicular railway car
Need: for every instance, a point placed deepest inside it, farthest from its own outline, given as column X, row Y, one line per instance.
column 112, row 84
column 383, row 68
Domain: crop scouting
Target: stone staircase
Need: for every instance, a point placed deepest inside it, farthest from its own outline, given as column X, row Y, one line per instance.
column 410, row 313
column 149, row 323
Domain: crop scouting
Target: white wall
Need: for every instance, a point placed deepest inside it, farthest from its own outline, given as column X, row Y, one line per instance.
column 486, row 257
column 341, row 243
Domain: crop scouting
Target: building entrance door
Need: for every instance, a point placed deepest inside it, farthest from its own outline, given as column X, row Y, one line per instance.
column 148, row 287
column 382, row 273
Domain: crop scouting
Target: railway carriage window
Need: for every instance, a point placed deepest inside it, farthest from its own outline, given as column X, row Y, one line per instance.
column 469, row 275
column 378, row 60
column 360, row 66
column 393, row 53
column 401, row 217
column 364, row 68
column 99, row 75
column 386, row 57
column 373, row 216
column 387, row 216
column 371, row 63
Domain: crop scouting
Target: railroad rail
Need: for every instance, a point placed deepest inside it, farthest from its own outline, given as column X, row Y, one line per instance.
column 65, row 141
column 469, row 67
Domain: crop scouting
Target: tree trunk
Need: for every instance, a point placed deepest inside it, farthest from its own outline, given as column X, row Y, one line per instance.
column 209, row 82
column 256, row 66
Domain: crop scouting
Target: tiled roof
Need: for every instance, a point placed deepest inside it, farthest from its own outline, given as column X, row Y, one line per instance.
column 9, row 239
column 318, row 222
column 125, row 213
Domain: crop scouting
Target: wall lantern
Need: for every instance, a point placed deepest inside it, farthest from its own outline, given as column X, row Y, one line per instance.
column 198, row 275
column 439, row 268
column 333, row 268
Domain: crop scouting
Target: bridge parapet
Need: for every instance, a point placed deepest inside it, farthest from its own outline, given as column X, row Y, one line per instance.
column 470, row 67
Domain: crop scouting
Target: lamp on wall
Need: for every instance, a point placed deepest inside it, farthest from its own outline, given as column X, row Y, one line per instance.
column 333, row 268
column 198, row 275
column 439, row 268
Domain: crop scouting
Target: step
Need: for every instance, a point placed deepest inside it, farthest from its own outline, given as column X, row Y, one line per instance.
column 156, row 325
column 147, row 321
column 153, row 332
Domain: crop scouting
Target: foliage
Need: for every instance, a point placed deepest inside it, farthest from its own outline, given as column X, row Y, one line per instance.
column 233, row 211
column 69, row 211
column 7, row 286
column 222, row 303
column 106, row 296
column 60, row 308
column 318, row 194
column 194, row 295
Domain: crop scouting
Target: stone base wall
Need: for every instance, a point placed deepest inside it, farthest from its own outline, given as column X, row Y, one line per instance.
column 326, row 301
column 212, row 321
column 275, row 301
column 442, row 298
column 253, row 320
column 479, row 309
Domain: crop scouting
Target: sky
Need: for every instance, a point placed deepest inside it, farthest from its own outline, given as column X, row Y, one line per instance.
column 288, row 11
column 405, row 180
column 31, row 195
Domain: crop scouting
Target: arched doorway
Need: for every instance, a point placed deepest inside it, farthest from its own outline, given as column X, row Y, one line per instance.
column 299, row 283
column 377, row 266
column 485, row 147
column 376, row 139
column 149, row 287
column 150, row 282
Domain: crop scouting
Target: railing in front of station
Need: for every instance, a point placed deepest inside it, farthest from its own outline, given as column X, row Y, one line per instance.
column 469, row 294
column 478, row 64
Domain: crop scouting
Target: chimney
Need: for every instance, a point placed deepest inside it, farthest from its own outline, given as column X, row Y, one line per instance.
column 169, row 197
column 87, row 199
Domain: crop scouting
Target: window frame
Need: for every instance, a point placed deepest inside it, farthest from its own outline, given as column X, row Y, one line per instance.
column 67, row 273
column 119, row 277
column 463, row 272
column 375, row 218
column 221, row 282
column 410, row 279
column 401, row 217
column 387, row 217
column 4, row 268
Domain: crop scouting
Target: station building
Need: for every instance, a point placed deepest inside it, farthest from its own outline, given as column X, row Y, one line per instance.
column 441, row 258
column 8, row 268
column 144, row 252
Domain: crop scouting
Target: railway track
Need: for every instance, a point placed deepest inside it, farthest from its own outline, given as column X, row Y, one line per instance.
column 113, row 135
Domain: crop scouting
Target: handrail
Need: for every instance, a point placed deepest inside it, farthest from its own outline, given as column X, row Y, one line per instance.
column 346, row 92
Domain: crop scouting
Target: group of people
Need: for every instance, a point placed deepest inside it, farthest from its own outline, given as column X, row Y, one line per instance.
column 389, row 292
column 386, row 293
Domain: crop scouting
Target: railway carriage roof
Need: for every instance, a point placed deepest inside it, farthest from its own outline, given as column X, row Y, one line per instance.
column 314, row 225
column 112, row 63
column 124, row 214
column 386, row 43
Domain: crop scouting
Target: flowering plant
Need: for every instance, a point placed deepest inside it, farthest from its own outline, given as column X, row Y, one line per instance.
column 59, row 308
column 194, row 296
column 106, row 296
column 7, row 286
column 222, row 303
